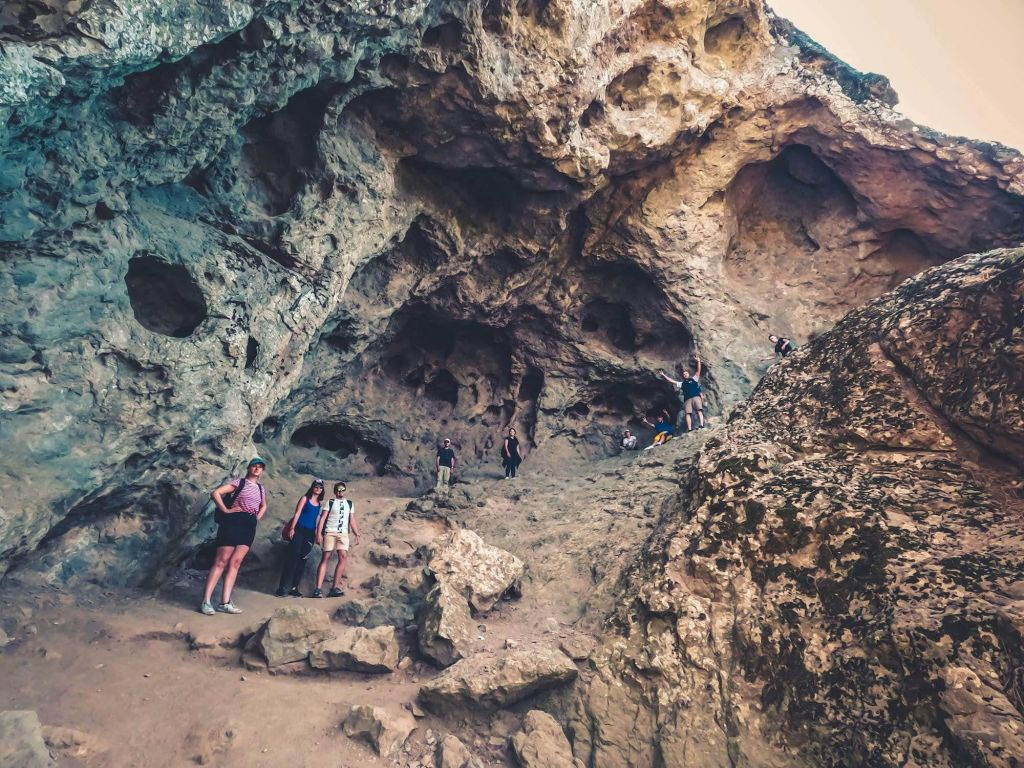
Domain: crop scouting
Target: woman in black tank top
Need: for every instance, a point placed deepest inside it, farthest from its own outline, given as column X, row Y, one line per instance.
column 511, row 458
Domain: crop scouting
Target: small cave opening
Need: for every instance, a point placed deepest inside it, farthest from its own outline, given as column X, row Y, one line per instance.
column 342, row 441
column 268, row 430
column 629, row 90
column 280, row 150
column 730, row 41
column 530, row 386
column 104, row 212
column 446, row 36
column 164, row 297
column 252, row 350
column 342, row 337
column 614, row 319
column 593, row 114
column 443, row 387
column 578, row 410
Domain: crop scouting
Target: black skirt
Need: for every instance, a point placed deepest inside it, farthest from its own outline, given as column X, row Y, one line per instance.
column 237, row 530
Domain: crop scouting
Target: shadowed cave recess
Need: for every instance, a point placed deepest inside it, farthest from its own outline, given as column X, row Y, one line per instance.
column 335, row 236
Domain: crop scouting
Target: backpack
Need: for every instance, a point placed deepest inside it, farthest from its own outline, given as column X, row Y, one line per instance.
column 229, row 501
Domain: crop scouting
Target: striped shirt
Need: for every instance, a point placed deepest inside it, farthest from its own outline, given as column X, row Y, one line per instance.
column 251, row 497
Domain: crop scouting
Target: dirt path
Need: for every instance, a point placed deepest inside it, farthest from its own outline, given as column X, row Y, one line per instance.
column 119, row 664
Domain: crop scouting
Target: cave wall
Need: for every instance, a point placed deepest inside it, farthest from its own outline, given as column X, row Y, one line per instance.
column 327, row 230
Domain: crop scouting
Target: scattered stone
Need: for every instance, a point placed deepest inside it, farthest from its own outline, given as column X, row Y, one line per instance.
column 358, row 649
column 542, row 743
column 452, row 753
column 497, row 679
column 292, row 633
column 73, row 744
column 415, row 708
column 21, row 740
column 384, row 731
column 4, row 638
column 405, row 663
column 511, row 644
column 445, row 629
column 481, row 572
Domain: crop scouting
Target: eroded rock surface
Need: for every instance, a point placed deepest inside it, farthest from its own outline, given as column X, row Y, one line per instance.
column 445, row 628
column 385, row 731
column 292, row 633
column 542, row 743
column 357, row 649
column 480, row 572
column 844, row 584
column 335, row 230
column 21, row 740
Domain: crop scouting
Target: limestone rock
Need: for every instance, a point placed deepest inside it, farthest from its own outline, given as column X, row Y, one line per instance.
column 452, row 753
column 21, row 740
column 849, row 531
column 492, row 680
column 446, row 629
column 357, row 649
column 385, row 731
column 292, row 633
column 542, row 743
column 479, row 571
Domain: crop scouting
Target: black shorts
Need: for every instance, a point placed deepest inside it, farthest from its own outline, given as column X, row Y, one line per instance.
column 237, row 530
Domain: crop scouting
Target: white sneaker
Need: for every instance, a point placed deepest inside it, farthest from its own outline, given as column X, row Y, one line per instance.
column 206, row 608
column 228, row 608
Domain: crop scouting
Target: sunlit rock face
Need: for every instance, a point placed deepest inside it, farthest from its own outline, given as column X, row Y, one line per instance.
column 841, row 580
column 333, row 231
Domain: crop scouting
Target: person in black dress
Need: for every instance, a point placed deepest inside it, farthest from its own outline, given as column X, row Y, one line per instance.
column 511, row 457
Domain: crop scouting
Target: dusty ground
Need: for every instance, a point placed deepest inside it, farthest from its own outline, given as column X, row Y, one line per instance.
column 119, row 665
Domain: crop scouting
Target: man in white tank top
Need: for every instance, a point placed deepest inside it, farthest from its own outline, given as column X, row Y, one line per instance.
column 337, row 518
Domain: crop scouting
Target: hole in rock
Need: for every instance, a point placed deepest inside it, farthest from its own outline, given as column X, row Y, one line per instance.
column 592, row 114
column 281, row 149
column 530, row 386
column 252, row 349
column 629, row 90
column 614, row 319
column 164, row 297
column 104, row 212
column 343, row 337
column 446, row 36
column 443, row 387
column 578, row 410
column 267, row 431
column 730, row 41
column 344, row 442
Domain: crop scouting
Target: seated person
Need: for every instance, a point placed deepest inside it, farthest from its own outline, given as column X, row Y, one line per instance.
column 662, row 429
column 783, row 346
column 628, row 441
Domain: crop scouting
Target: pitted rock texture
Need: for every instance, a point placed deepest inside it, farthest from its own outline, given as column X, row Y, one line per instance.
column 845, row 585
column 345, row 230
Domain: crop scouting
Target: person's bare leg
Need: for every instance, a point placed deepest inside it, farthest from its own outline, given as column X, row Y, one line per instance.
column 700, row 417
column 220, row 561
column 232, row 572
column 689, row 422
column 339, row 569
column 321, row 570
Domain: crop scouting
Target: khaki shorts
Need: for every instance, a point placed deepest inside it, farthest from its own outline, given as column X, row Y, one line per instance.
column 693, row 402
column 335, row 541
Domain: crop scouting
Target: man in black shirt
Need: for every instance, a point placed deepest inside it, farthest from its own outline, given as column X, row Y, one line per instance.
column 445, row 465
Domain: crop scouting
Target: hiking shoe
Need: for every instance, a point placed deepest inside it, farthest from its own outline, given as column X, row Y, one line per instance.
column 294, row 592
column 336, row 592
column 280, row 593
column 228, row 608
column 318, row 592
column 207, row 608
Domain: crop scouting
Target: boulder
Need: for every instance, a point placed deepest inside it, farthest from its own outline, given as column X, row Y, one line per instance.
column 21, row 740
column 481, row 572
column 542, row 743
column 495, row 679
column 292, row 633
column 445, row 626
column 357, row 649
column 385, row 731
column 452, row 753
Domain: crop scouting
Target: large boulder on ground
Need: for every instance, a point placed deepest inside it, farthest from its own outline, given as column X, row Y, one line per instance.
column 452, row 753
column 445, row 626
column 481, row 572
column 542, row 743
column 357, row 649
column 494, row 679
column 21, row 740
column 385, row 731
column 292, row 633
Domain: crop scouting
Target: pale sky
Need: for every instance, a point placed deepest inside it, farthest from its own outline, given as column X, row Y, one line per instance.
column 957, row 66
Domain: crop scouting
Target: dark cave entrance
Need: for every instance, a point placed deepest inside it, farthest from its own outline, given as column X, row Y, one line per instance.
column 164, row 297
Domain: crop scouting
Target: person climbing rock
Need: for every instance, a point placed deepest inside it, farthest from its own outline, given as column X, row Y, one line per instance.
column 783, row 346
column 445, row 465
column 337, row 518
column 628, row 441
column 691, row 396
column 301, row 534
column 662, row 429
column 237, row 516
column 511, row 457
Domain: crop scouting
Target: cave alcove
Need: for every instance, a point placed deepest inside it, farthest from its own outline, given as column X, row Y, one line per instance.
column 164, row 297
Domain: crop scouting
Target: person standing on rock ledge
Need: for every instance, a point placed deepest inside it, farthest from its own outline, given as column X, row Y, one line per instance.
column 511, row 457
column 301, row 533
column 691, row 396
column 445, row 465
column 337, row 517
column 237, row 517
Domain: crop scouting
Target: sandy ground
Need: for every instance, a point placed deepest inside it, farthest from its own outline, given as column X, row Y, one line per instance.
column 119, row 666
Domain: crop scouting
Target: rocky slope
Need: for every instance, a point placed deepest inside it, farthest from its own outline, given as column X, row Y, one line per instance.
column 339, row 229
column 842, row 581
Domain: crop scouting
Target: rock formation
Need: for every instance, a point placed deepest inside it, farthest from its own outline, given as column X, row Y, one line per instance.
column 844, row 584
column 340, row 230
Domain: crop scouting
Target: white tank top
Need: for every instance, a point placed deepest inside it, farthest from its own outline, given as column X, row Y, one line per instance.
column 337, row 516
